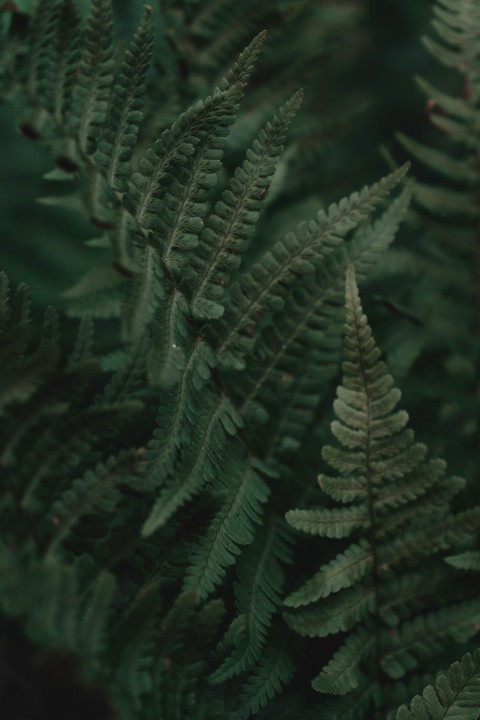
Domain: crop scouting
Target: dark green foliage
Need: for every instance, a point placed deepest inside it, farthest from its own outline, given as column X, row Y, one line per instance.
column 143, row 492
column 396, row 514
column 455, row 695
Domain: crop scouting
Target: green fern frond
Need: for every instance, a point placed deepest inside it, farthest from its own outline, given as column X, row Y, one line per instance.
column 95, row 75
column 342, row 572
column 337, row 523
column 243, row 493
column 258, row 595
column 264, row 287
column 275, row 669
column 68, row 33
column 116, row 147
column 396, row 507
column 454, row 695
column 97, row 491
column 424, row 636
column 177, row 174
column 313, row 320
column 339, row 613
column 231, row 226
column 343, row 674
column 216, row 420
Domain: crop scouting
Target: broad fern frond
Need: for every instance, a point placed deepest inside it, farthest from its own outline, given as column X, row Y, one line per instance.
column 396, row 509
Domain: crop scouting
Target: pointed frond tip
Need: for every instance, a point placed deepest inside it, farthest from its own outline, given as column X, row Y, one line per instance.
column 242, row 68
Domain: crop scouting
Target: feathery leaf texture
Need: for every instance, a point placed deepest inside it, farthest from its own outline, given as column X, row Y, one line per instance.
column 265, row 285
column 229, row 229
column 455, row 695
column 395, row 509
column 122, row 533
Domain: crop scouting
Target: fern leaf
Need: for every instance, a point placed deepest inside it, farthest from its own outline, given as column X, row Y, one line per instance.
column 68, row 34
column 402, row 500
column 124, row 114
column 177, row 414
column 275, row 669
column 452, row 105
column 83, row 343
column 95, row 77
column 444, row 201
column 258, row 594
column 343, row 674
column 233, row 526
column 242, row 68
column 175, row 175
column 229, row 230
column 96, row 490
column 98, row 293
column 93, row 627
column 267, row 282
column 42, row 56
column 336, row 523
column 338, row 614
column 428, row 635
column 311, row 318
column 342, row 572
column 455, row 695
column 439, row 161
column 63, row 445
column 166, row 358
column 217, row 420
column 173, row 153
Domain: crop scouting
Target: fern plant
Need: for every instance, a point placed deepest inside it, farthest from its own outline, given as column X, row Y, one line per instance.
column 396, row 513
column 143, row 495
column 446, row 244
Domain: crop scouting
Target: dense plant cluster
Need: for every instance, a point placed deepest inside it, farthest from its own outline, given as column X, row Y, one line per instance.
column 158, row 468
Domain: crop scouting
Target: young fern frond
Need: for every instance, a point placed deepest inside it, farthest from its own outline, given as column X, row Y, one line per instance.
column 395, row 504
